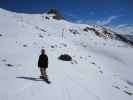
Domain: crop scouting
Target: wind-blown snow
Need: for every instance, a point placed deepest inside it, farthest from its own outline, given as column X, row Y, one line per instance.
column 101, row 69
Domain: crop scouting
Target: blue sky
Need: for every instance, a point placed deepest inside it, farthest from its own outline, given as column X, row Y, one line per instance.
column 104, row 12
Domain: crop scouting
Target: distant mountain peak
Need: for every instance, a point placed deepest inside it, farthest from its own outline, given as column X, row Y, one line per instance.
column 55, row 14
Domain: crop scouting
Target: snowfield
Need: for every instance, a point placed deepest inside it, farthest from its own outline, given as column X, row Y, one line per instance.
column 101, row 69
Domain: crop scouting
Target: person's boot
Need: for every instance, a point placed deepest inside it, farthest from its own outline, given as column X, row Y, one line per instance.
column 45, row 77
column 41, row 77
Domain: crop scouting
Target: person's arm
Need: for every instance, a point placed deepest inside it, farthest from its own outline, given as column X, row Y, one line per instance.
column 47, row 60
column 39, row 62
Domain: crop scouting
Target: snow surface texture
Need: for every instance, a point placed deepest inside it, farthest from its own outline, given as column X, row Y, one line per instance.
column 101, row 69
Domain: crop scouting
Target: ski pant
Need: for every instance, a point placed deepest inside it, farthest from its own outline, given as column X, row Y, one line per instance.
column 43, row 72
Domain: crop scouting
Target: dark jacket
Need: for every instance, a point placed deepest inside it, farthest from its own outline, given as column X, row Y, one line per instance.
column 43, row 61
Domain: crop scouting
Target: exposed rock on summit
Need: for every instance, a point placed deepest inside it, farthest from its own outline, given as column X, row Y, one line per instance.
column 55, row 14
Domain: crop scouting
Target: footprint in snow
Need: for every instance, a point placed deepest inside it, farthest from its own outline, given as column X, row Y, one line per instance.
column 4, row 60
column 93, row 63
column 128, row 93
column 54, row 46
column 98, row 67
column 125, row 91
column 89, row 56
column 129, row 82
column 74, row 62
column 1, row 35
column 9, row 65
column 63, row 44
column 117, row 87
column 41, row 36
column 101, row 71
column 25, row 45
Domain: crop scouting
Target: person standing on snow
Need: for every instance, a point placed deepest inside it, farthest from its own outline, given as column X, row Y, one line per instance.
column 43, row 64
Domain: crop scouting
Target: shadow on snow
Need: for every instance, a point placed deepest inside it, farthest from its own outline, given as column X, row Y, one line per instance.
column 34, row 79
column 30, row 78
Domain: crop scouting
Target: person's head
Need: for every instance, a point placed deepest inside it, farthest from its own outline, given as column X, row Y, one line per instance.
column 42, row 51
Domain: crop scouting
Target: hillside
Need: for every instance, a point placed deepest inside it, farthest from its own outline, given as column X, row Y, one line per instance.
column 101, row 69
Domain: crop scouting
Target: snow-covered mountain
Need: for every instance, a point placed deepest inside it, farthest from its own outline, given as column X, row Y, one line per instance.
column 101, row 69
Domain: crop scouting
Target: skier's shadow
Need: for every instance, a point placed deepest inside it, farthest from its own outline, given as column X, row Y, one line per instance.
column 29, row 78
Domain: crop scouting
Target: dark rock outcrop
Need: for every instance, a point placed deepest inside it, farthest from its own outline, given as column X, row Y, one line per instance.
column 124, row 39
column 65, row 57
column 56, row 14
column 105, row 34
column 74, row 31
column 47, row 18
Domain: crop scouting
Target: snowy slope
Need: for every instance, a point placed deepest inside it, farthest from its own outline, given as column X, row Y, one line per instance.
column 101, row 69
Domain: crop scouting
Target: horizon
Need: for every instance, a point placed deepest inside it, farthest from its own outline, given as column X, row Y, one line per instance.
column 109, row 13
